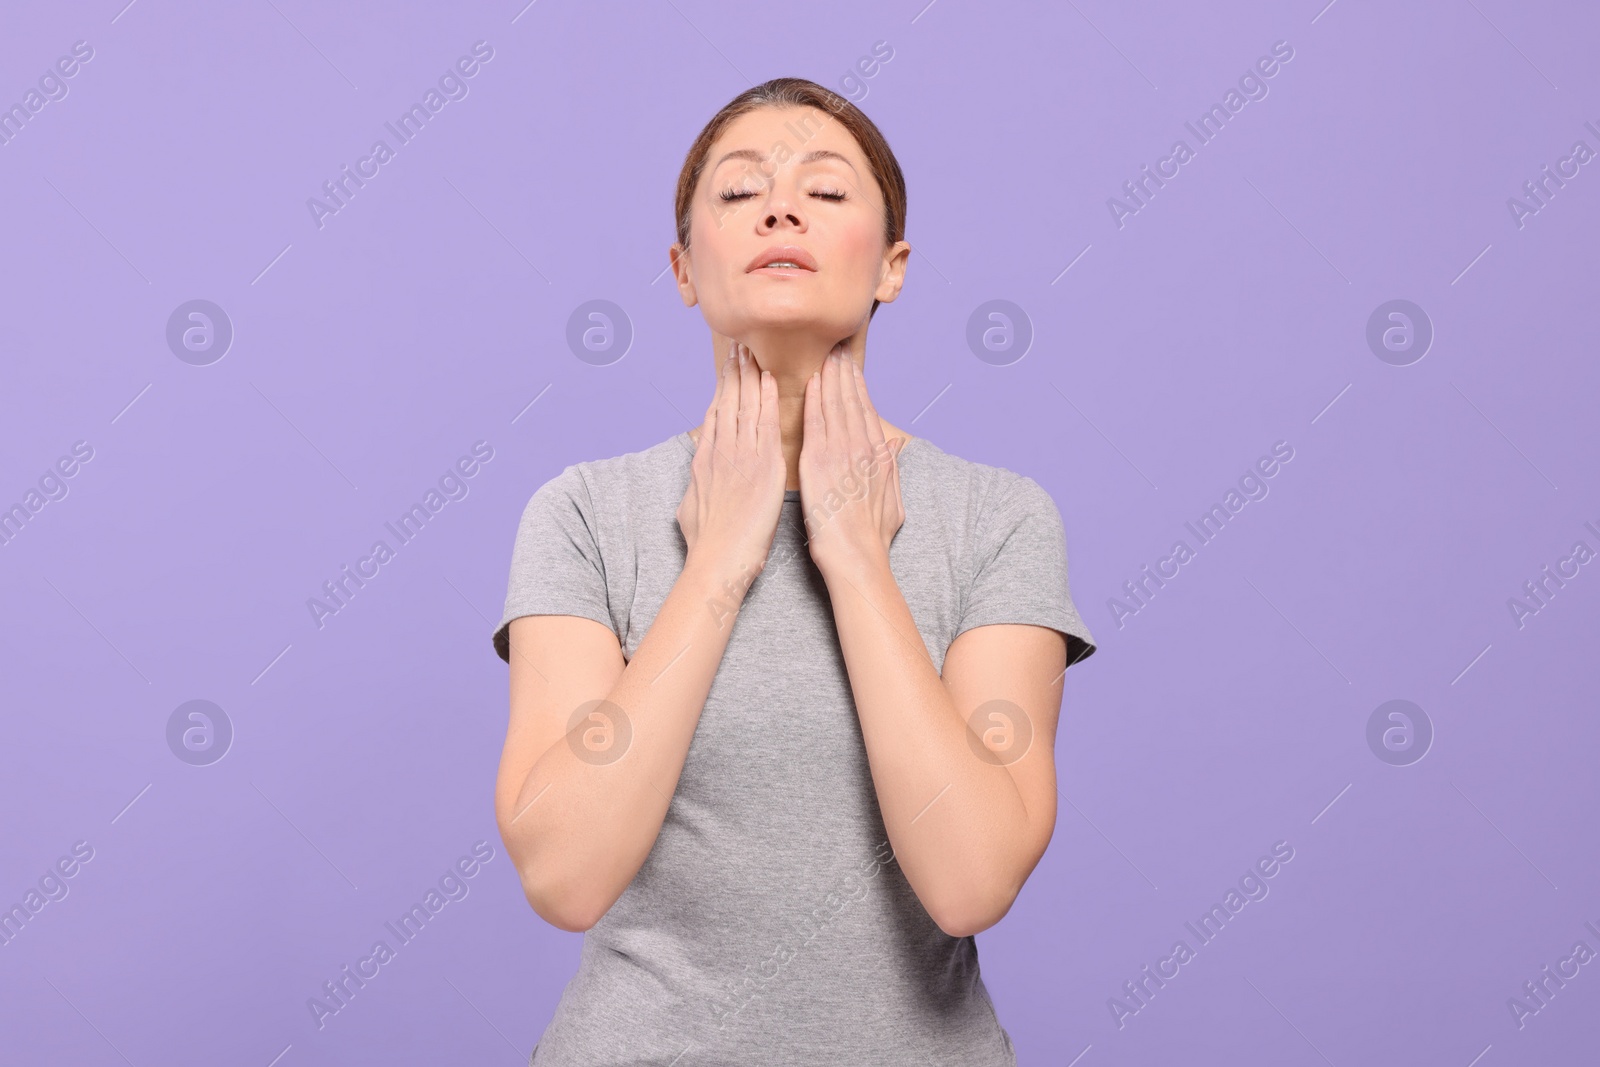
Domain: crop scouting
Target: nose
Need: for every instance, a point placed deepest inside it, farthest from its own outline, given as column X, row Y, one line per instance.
column 782, row 210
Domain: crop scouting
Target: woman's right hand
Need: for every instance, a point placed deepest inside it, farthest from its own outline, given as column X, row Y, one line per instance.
column 730, row 512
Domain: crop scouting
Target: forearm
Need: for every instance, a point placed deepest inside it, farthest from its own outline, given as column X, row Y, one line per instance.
column 957, row 821
column 588, row 817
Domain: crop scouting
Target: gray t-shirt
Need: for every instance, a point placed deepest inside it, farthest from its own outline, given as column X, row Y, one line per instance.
column 770, row 923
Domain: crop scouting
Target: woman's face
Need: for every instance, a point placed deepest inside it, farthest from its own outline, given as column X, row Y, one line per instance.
column 788, row 183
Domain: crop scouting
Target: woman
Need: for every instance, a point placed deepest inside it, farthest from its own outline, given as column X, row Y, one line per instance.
column 784, row 686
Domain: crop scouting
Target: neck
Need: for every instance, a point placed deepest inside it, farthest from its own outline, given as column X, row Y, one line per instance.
column 792, row 358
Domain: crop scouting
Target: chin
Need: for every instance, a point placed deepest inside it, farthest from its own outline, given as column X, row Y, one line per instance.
column 812, row 316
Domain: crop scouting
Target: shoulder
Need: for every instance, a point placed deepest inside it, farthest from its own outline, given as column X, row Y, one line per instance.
column 624, row 483
column 980, row 491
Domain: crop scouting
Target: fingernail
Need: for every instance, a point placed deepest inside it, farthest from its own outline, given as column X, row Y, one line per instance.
column 744, row 356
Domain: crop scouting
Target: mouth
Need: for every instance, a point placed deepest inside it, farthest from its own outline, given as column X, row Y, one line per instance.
column 790, row 260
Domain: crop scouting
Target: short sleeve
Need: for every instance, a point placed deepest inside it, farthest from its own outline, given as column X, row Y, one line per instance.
column 556, row 568
column 1020, row 562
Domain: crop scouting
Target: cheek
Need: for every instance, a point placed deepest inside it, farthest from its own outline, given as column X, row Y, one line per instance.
column 860, row 248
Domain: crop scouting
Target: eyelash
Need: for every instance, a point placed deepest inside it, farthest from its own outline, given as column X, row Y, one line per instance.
column 731, row 195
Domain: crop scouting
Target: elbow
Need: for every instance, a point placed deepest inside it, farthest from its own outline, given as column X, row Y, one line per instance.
column 973, row 912
column 563, row 906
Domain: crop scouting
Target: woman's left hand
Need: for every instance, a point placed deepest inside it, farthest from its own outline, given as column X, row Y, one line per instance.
column 849, row 473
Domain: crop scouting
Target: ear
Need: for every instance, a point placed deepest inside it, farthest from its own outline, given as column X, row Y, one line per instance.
column 679, row 257
column 893, row 274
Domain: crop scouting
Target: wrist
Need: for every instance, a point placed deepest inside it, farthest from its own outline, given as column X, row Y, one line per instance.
column 719, row 582
column 858, row 567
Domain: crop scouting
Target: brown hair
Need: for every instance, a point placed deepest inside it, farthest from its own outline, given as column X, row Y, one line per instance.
column 798, row 92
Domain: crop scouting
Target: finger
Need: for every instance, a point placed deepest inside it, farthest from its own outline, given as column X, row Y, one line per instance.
column 728, row 403
column 769, row 431
column 850, row 398
column 722, row 378
column 833, row 412
column 708, row 428
column 816, row 430
column 749, row 399
column 874, row 426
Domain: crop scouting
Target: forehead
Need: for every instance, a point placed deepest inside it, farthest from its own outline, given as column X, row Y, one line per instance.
column 799, row 130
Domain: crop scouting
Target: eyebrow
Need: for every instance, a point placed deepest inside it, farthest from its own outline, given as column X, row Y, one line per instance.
column 810, row 157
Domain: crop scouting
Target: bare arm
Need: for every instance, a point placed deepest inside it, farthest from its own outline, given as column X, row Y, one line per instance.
column 580, row 811
column 580, row 804
column 968, row 819
column 969, row 813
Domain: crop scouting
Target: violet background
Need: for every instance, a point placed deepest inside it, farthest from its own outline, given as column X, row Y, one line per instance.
column 1228, row 314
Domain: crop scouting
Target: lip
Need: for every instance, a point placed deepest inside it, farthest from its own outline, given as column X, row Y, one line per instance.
column 793, row 253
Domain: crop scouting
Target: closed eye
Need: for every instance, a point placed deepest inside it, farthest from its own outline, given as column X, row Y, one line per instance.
column 731, row 195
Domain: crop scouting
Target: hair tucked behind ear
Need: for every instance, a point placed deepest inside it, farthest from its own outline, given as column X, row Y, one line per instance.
column 798, row 92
